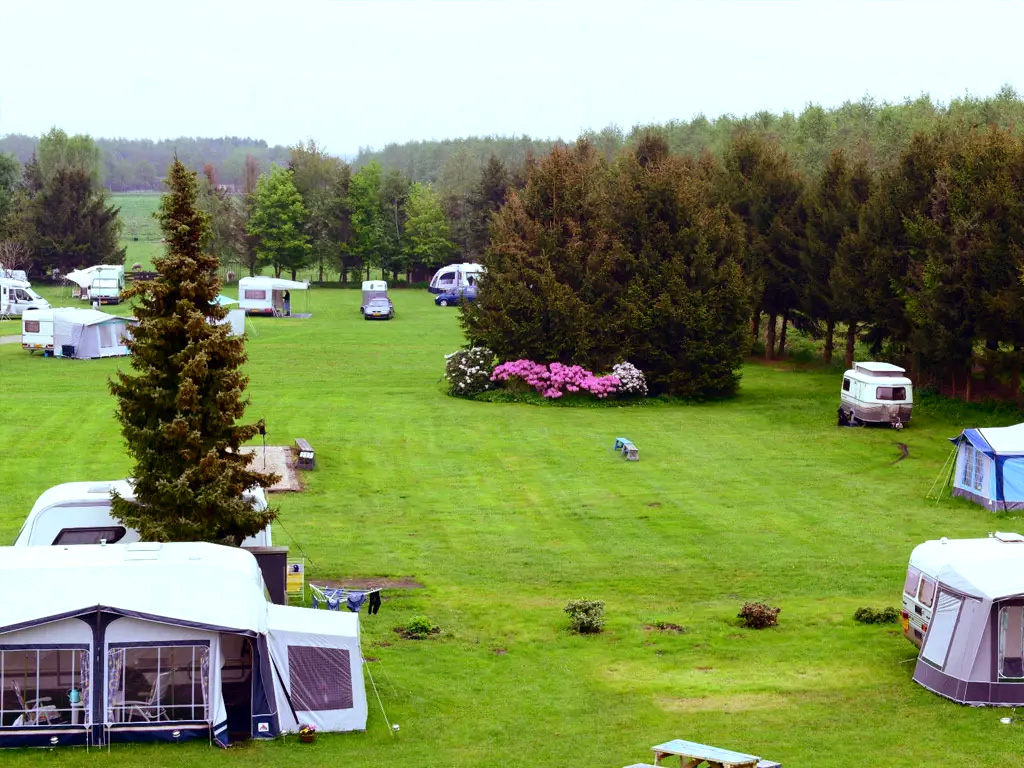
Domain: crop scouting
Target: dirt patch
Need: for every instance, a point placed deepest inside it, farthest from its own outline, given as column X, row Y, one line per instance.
column 500, row 651
column 381, row 582
column 666, row 626
column 725, row 703
column 653, row 503
column 279, row 460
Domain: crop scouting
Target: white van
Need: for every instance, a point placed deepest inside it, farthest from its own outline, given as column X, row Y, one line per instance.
column 17, row 295
column 107, row 284
column 79, row 513
column 928, row 560
column 37, row 330
column 455, row 277
column 876, row 393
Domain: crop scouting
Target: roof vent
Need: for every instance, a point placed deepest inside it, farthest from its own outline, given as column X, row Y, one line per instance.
column 103, row 488
column 1009, row 537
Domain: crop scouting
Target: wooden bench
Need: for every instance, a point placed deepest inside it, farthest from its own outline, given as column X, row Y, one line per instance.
column 307, row 456
column 691, row 754
column 630, row 452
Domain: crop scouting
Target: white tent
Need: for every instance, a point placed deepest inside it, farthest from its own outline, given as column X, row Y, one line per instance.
column 89, row 333
column 973, row 649
column 265, row 295
column 146, row 641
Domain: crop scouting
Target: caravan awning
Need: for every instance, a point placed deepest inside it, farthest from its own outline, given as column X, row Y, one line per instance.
column 273, row 283
column 81, row 277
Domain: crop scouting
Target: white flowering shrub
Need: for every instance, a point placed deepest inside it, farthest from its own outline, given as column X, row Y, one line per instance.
column 631, row 379
column 468, row 371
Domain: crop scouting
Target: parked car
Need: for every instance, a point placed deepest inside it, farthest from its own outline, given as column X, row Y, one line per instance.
column 378, row 309
column 452, row 298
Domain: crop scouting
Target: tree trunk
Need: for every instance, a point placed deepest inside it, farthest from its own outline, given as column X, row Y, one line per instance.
column 293, row 274
column 830, row 342
column 769, row 339
column 367, row 271
column 967, row 384
column 782, row 334
column 755, row 324
column 321, row 270
column 851, row 340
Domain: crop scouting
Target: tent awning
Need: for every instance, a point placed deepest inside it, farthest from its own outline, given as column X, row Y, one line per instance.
column 995, row 441
column 273, row 283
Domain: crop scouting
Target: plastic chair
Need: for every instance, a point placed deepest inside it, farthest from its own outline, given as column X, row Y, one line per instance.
column 34, row 712
column 149, row 709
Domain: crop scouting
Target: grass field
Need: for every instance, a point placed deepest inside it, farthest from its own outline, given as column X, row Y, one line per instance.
column 505, row 512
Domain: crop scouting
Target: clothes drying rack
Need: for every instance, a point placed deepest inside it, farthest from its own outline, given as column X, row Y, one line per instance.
column 335, row 597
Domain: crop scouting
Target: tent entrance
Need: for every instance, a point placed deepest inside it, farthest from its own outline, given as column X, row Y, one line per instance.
column 236, row 685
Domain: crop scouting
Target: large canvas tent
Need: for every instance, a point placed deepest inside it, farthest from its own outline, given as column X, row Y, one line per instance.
column 89, row 333
column 150, row 642
column 973, row 651
column 989, row 467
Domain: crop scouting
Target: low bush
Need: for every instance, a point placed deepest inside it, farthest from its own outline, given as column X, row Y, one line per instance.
column 585, row 616
column 876, row 616
column 759, row 615
column 631, row 379
column 418, row 628
column 469, row 371
column 556, row 379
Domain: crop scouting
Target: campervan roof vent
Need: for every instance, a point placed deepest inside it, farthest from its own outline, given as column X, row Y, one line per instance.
column 879, row 369
column 103, row 488
column 1009, row 537
column 143, row 550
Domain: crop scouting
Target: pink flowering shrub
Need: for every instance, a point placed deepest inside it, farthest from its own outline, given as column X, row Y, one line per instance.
column 556, row 379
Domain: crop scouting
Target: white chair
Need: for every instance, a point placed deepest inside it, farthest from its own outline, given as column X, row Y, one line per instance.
column 148, row 710
column 33, row 711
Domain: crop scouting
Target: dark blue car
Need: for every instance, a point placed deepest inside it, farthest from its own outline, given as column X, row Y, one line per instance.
column 452, row 298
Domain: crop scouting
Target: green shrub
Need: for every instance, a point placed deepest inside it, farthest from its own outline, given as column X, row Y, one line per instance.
column 585, row 616
column 888, row 615
column 759, row 615
column 418, row 628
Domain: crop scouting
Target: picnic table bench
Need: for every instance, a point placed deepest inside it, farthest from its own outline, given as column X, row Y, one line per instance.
column 691, row 754
column 307, row 456
column 629, row 451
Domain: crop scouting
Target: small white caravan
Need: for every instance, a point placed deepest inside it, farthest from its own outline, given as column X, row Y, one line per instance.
column 456, row 276
column 107, row 284
column 876, row 393
column 265, row 295
column 17, row 295
column 37, row 330
column 79, row 513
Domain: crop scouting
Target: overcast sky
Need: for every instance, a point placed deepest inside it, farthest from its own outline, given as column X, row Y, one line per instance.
column 354, row 73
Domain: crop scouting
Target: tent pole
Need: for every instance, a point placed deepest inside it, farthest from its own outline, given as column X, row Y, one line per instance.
column 366, row 666
column 942, row 475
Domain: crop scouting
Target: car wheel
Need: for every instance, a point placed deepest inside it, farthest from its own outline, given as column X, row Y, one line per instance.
column 442, row 303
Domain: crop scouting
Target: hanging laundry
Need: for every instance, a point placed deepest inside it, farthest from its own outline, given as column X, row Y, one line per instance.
column 374, row 604
column 355, row 601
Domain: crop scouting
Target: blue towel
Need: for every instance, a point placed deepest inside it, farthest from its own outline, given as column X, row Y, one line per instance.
column 355, row 601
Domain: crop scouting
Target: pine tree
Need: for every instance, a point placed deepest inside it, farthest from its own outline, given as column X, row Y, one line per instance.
column 179, row 413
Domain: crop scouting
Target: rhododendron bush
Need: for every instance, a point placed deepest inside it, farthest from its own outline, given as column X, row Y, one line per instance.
column 556, row 379
column 468, row 371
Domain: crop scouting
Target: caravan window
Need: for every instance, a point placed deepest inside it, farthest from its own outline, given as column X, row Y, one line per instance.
column 255, row 295
column 940, row 630
column 910, row 585
column 158, row 683
column 891, row 393
column 927, row 593
column 1011, row 642
column 31, row 326
column 321, row 678
column 846, row 384
column 110, row 535
column 447, row 277
column 34, row 684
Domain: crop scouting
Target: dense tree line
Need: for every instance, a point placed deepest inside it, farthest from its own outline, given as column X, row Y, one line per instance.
column 140, row 164
column 653, row 256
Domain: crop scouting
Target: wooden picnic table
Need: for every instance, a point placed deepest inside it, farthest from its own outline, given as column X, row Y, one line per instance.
column 691, row 754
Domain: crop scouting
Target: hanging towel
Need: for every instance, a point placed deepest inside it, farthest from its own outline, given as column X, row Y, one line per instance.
column 355, row 601
column 374, row 605
column 333, row 603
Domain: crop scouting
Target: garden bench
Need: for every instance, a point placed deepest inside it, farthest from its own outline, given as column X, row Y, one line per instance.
column 307, row 456
column 691, row 754
column 629, row 451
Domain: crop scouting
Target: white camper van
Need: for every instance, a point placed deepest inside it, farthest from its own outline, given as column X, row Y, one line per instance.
column 456, row 276
column 107, row 284
column 1001, row 552
column 876, row 393
column 17, row 295
column 37, row 330
column 79, row 513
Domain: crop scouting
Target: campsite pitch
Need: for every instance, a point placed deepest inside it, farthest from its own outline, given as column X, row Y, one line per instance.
column 505, row 512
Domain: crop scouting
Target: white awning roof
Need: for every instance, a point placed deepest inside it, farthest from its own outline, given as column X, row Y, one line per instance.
column 990, row 568
column 1004, row 439
column 273, row 283
column 83, row 316
column 206, row 585
column 879, row 367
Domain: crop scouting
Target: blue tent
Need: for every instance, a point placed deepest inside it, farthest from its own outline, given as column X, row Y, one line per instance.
column 989, row 467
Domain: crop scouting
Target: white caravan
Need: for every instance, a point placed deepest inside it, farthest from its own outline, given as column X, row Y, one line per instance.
column 265, row 295
column 877, row 393
column 456, row 276
column 17, row 295
column 107, row 284
column 37, row 330
column 79, row 513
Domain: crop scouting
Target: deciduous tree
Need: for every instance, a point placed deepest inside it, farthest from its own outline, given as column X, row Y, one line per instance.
column 278, row 222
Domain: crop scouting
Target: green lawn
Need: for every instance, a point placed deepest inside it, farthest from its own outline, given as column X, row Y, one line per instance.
column 505, row 512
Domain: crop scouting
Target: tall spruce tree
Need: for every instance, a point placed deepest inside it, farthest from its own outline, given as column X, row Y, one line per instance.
column 179, row 414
